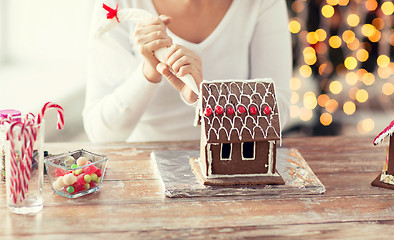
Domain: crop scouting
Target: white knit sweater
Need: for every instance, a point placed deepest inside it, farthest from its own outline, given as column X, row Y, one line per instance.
column 251, row 41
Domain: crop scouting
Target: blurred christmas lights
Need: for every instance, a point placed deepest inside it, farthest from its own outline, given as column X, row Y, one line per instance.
column 347, row 52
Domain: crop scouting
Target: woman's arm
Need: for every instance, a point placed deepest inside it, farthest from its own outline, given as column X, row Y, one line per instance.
column 117, row 89
column 271, row 52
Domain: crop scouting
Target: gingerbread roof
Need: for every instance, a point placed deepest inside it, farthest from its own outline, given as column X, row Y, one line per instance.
column 239, row 111
column 386, row 132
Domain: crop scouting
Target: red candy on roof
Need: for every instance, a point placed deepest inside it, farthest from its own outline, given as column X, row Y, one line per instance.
column 267, row 110
column 253, row 110
column 208, row 111
column 219, row 110
column 230, row 110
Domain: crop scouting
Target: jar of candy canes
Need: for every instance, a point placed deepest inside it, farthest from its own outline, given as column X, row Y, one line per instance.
column 5, row 117
column 24, row 158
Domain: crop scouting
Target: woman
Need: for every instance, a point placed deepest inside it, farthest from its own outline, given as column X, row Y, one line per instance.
column 127, row 97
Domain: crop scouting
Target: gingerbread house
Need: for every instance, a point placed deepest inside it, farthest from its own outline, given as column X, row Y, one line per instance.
column 386, row 178
column 240, row 129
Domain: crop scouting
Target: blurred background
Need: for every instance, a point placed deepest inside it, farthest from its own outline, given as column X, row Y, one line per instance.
column 43, row 51
column 342, row 84
column 343, row 71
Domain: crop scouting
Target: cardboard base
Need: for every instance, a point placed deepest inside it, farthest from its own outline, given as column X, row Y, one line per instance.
column 229, row 181
column 378, row 183
column 179, row 181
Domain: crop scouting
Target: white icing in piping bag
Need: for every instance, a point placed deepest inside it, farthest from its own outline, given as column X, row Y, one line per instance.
column 115, row 16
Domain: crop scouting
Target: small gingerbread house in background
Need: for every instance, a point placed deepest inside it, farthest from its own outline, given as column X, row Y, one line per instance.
column 386, row 178
column 239, row 132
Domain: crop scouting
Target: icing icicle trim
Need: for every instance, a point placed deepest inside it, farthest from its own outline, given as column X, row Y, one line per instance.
column 255, row 113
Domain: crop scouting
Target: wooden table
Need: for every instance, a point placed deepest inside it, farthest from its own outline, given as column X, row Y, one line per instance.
column 130, row 204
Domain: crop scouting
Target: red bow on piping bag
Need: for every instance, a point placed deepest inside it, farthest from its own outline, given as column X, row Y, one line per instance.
column 111, row 12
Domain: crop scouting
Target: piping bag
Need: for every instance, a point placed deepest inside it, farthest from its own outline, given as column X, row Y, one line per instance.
column 115, row 16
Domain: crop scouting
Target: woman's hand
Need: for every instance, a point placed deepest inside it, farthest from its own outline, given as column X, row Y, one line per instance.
column 151, row 35
column 181, row 61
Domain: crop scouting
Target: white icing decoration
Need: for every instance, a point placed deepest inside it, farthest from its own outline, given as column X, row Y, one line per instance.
column 223, row 93
column 271, row 156
column 209, row 157
column 387, row 178
column 241, row 175
column 387, row 132
column 379, row 140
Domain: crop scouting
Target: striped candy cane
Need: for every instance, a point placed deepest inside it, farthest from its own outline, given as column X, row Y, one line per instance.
column 29, row 137
column 60, row 115
column 30, row 117
column 29, row 127
column 14, row 178
column 21, row 170
column 24, row 175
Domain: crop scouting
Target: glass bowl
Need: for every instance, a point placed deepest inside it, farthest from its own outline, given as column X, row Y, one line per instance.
column 76, row 173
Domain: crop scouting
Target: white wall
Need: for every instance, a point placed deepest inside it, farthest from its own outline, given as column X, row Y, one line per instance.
column 46, row 44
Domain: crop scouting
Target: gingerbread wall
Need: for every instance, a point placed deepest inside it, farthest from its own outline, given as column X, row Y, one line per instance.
column 238, row 166
column 390, row 169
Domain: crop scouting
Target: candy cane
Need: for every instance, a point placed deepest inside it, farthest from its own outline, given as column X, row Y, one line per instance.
column 21, row 181
column 22, row 177
column 14, row 155
column 14, row 178
column 21, row 171
column 30, row 118
column 60, row 115
column 25, row 166
column 29, row 138
column 136, row 15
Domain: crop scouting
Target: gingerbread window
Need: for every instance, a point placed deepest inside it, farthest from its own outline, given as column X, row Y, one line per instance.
column 225, row 153
column 248, row 151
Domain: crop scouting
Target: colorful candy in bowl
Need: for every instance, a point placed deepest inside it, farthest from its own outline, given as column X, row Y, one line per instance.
column 76, row 173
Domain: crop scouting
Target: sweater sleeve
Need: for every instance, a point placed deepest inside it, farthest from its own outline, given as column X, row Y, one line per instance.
column 116, row 91
column 271, row 52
